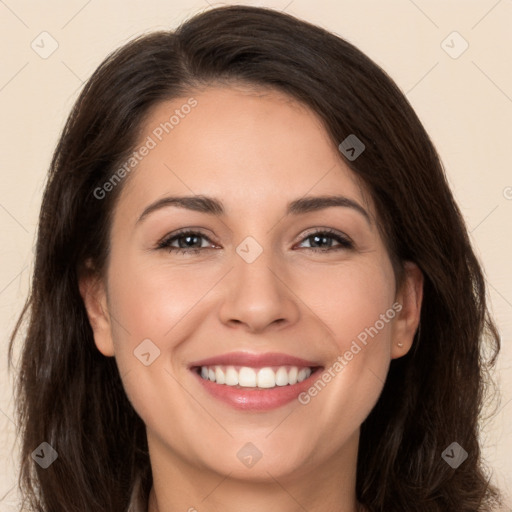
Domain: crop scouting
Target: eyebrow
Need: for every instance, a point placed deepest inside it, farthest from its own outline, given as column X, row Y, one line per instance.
column 212, row 206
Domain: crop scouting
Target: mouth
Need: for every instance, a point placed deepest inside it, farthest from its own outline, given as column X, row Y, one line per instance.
column 255, row 381
column 255, row 378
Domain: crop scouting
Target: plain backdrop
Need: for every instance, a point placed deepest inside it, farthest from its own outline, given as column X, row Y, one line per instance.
column 451, row 59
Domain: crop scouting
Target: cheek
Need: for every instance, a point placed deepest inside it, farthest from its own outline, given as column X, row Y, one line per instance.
column 150, row 300
column 350, row 299
column 355, row 304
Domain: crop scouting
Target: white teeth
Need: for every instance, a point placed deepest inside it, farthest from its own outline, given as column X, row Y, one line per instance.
column 246, row 377
column 231, row 376
column 281, row 377
column 219, row 375
column 304, row 373
column 266, row 378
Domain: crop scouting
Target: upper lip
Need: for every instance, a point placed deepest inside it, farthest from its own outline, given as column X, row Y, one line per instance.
column 254, row 360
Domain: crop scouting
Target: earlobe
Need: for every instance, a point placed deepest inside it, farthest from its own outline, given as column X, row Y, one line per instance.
column 410, row 297
column 93, row 292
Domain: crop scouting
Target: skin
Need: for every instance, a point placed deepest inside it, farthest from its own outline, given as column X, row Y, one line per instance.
column 254, row 150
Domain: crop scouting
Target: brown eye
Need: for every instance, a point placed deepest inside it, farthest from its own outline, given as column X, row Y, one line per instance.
column 322, row 241
column 188, row 242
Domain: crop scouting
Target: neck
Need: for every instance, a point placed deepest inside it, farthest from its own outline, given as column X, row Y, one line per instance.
column 327, row 486
column 154, row 507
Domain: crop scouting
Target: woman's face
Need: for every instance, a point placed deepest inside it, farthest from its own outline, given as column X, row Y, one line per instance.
column 253, row 289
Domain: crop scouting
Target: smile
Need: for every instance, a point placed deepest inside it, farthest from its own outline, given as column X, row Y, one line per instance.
column 263, row 378
column 256, row 382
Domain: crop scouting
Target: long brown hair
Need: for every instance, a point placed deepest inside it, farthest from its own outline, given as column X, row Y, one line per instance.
column 72, row 397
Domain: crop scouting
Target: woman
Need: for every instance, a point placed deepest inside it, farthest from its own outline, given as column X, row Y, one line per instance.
column 192, row 345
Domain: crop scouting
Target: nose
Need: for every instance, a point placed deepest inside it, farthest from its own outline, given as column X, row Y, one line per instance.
column 258, row 297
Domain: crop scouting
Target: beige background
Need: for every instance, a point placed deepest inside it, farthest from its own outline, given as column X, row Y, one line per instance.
column 465, row 104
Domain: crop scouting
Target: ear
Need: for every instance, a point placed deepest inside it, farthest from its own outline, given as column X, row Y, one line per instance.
column 94, row 295
column 410, row 297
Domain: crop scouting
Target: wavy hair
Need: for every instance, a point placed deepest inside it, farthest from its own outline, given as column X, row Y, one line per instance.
column 72, row 397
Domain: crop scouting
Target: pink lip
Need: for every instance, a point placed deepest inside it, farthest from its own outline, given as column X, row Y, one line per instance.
column 254, row 360
column 256, row 399
column 250, row 398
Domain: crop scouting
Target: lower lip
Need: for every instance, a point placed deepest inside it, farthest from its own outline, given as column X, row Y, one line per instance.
column 256, row 399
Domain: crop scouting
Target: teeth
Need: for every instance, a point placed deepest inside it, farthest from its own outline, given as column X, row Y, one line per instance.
column 266, row 378
column 231, row 376
column 219, row 376
column 282, row 377
column 247, row 377
column 292, row 375
column 255, row 378
column 303, row 373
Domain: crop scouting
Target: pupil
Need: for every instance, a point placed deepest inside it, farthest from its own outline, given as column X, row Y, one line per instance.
column 188, row 238
column 318, row 237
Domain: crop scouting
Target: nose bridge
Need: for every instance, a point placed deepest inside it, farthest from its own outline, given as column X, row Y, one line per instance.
column 255, row 264
column 258, row 295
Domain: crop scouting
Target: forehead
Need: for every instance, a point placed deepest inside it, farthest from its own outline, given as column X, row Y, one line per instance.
column 254, row 148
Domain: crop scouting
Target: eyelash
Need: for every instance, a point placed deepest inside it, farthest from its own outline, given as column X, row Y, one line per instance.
column 345, row 243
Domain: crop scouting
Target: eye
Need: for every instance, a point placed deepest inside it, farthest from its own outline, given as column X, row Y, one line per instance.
column 322, row 238
column 190, row 242
column 187, row 242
